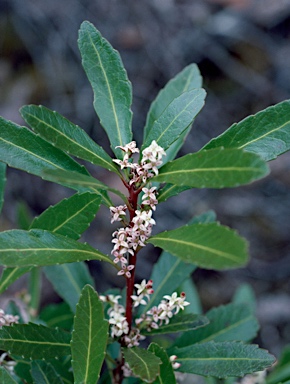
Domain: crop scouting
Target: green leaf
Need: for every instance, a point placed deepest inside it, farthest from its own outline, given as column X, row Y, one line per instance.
column 245, row 295
column 85, row 181
column 5, row 377
column 170, row 190
column 281, row 372
column 112, row 89
column 44, row 373
column 89, row 338
column 71, row 216
column 68, row 280
column 215, row 168
column 167, row 275
column 186, row 80
column 180, row 323
column 9, row 275
column 232, row 322
column 20, row 148
column 34, row 341
column 39, row 248
column 166, row 375
column 223, row 359
column 143, row 363
column 210, row 246
column 57, row 315
column 65, row 135
column 267, row 133
column 176, row 118
column 2, row 183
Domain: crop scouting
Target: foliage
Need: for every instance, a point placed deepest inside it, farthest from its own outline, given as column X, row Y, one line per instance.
column 105, row 335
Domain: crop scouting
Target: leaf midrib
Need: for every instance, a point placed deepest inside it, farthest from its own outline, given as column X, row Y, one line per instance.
column 31, row 153
column 109, row 90
column 204, row 248
column 173, row 121
column 217, row 169
column 68, row 138
column 266, row 134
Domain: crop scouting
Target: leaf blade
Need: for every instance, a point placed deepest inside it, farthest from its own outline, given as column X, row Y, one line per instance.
column 34, row 341
column 112, row 89
column 209, row 245
column 214, row 168
column 19, row 248
column 89, row 338
column 68, row 281
column 166, row 375
column 225, row 359
column 65, row 135
column 232, row 322
column 188, row 79
column 265, row 133
column 175, row 119
column 44, row 373
column 181, row 323
column 20, row 148
column 71, row 216
column 143, row 363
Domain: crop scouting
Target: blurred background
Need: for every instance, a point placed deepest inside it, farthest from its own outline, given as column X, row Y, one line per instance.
column 242, row 48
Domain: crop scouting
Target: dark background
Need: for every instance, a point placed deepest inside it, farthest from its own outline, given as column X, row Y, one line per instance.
column 242, row 48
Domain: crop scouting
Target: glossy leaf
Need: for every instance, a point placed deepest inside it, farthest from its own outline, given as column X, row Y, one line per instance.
column 20, row 148
column 167, row 275
column 223, row 359
column 65, row 135
column 209, row 245
column 84, row 181
column 44, row 373
column 180, row 323
column 170, row 190
column 175, row 119
column 112, row 89
column 39, row 248
column 5, row 377
column 34, row 341
column 215, row 168
column 89, row 338
column 232, row 322
column 166, row 375
column 68, row 280
column 266, row 133
column 2, row 183
column 9, row 275
column 57, row 315
column 144, row 364
column 186, row 80
column 71, row 216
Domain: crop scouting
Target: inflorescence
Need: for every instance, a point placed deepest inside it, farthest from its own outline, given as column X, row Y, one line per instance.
column 130, row 238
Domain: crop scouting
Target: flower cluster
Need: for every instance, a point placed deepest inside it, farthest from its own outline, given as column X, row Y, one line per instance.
column 130, row 238
column 163, row 312
column 147, row 168
column 119, row 324
column 154, row 318
column 6, row 319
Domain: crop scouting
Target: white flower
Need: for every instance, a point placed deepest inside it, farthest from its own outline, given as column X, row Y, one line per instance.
column 130, row 147
column 117, row 212
column 154, row 151
column 138, row 300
